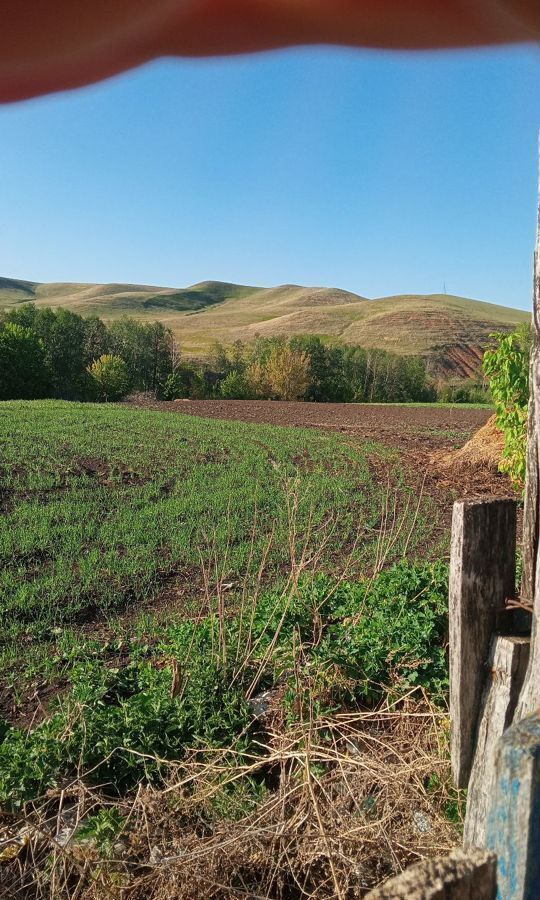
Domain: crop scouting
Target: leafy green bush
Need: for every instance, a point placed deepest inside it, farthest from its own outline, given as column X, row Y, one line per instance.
column 391, row 631
column 185, row 381
column 464, row 391
column 175, row 387
column 110, row 377
column 235, row 386
column 345, row 641
column 506, row 364
column 375, row 634
column 112, row 718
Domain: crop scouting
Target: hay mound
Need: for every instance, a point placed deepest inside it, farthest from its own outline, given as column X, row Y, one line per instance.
column 484, row 450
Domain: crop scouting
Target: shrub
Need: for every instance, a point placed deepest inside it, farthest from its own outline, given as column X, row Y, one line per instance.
column 235, row 387
column 110, row 378
column 506, row 364
column 392, row 631
column 464, row 391
column 186, row 381
column 174, row 387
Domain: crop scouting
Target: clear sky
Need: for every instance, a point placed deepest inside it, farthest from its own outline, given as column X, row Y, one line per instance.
column 374, row 172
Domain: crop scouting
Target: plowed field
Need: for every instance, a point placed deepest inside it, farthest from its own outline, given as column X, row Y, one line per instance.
column 399, row 426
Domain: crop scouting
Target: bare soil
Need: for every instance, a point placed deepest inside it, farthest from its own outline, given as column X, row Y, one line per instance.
column 399, row 426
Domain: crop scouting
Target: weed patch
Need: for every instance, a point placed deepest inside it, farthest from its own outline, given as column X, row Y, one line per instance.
column 324, row 641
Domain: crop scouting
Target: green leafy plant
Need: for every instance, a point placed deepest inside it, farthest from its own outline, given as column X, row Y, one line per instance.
column 235, row 386
column 391, row 631
column 110, row 377
column 344, row 641
column 102, row 829
column 506, row 365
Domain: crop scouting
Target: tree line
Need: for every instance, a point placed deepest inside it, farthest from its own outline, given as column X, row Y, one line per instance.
column 57, row 353
column 306, row 368
column 48, row 352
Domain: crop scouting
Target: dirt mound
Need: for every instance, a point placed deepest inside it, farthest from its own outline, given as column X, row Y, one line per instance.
column 484, row 450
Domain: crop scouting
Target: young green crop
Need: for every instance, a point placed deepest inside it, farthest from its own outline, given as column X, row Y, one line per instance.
column 104, row 506
column 106, row 509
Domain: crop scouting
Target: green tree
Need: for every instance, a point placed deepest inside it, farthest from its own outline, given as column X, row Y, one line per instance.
column 328, row 381
column 355, row 374
column 110, row 378
column 62, row 334
column 147, row 350
column 235, row 386
column 506, row 365
column 288, row 373
column 23, row 373
column 96, row 339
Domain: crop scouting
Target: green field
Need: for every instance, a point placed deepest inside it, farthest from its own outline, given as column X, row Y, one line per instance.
column 106, row 507
column 159, row 572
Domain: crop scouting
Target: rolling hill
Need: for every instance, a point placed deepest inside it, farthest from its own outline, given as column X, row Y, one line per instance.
column 449, row 332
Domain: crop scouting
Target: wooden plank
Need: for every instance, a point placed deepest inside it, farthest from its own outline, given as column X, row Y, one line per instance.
column 507, row 666
column 530, row 696
column 482, row 576
column 458, row 876
column 513, row 831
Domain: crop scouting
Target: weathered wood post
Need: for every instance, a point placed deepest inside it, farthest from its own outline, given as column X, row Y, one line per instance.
column 506, row 671
column 530, row 696
column 458, row 876
column 513, row 831
column 482, row 577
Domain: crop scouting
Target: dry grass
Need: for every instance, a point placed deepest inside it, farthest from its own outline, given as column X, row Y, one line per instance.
column 484, row 450
column 353, row 799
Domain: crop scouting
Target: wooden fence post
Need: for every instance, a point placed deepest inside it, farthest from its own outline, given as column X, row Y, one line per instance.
column 506, row 670
column 482, row 576
column 513, row 831
column 458, row 876
column 530, row 695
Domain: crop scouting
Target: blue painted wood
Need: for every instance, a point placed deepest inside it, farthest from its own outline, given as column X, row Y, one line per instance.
column 513, row 830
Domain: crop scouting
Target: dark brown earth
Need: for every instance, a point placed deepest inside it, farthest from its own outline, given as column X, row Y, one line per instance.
column 399, row 426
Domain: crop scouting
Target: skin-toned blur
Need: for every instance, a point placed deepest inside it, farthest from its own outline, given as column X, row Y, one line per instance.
column 50, row 45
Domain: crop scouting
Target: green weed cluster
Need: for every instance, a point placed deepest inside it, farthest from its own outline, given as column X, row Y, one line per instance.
column 325, row 642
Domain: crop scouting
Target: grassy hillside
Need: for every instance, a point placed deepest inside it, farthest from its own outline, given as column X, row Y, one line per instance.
column 448, row 331
column 113, row 300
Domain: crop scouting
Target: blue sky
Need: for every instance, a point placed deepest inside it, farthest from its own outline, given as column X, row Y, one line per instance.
column 374, row 172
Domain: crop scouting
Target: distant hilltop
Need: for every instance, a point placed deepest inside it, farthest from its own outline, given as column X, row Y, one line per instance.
column 449, row 332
